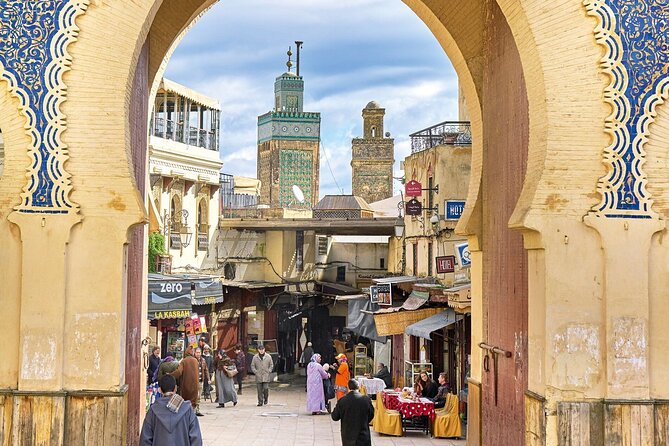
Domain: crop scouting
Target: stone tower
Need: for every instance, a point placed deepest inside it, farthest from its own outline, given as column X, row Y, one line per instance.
column 288, row 145
column 373, row 157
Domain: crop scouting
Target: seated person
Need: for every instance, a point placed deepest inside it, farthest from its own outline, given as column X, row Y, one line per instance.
column 429, row 388
column 442, row 392
column 384, row 374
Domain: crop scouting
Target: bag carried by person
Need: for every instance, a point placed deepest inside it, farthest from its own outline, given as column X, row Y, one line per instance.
column 329, row 389
column 230, row 370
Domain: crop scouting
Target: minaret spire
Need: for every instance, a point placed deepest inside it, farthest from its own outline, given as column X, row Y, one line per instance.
column 289, row 64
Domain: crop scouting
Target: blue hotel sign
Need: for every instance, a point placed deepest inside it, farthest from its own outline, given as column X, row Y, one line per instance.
column 454, row 209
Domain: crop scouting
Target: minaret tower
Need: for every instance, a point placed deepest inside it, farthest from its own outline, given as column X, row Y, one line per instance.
column 288, row 144
column 373, row 157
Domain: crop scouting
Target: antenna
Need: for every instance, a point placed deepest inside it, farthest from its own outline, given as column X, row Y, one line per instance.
column 298, row 45
column 299, row 195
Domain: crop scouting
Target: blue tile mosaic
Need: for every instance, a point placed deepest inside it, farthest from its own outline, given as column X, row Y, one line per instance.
column 34, row 36
column 635, row 34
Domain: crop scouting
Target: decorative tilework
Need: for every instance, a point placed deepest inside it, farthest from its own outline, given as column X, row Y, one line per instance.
column 296, row 167
column 34, row 36
column 635, row 34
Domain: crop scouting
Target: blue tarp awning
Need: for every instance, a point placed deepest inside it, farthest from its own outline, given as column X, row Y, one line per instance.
column 435, row 322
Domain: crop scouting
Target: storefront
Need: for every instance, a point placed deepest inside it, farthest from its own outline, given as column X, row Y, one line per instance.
column 179, row 309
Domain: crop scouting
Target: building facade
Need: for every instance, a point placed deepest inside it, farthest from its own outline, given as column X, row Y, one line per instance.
column 184, row 168
column 288, row 147
column 373, row 157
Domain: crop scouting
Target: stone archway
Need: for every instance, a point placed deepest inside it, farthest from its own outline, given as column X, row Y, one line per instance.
column 74, row 187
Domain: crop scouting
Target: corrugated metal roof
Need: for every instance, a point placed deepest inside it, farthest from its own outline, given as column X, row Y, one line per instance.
column 342, row 202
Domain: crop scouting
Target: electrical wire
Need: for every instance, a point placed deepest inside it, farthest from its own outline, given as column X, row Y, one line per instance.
column 327, row 160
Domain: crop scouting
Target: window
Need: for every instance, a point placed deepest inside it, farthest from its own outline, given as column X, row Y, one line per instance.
column 175, row 225
column 341, row 274
column 202, row 226
column 299, row 251
column 429, row 259
column 382, row 263
column 415, row 259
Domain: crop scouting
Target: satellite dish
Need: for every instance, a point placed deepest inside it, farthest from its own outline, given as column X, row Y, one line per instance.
column 299, row 196
column 387, row 134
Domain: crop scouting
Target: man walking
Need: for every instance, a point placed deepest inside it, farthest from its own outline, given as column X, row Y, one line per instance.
column 189, row 372
column 355, row 411
column 261, row 366
column 170, row 420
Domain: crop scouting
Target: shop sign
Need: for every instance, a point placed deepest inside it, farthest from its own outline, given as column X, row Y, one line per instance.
column 208, row 291
column 463, row 254
column 454, row 209
column 169, row 299
column 171, row 314
column 381, row 294
column 445, row 264
column 413, row 189
column 413, row 207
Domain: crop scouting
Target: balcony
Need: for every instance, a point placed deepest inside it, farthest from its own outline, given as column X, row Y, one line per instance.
column 453, row 133
column 169, row 129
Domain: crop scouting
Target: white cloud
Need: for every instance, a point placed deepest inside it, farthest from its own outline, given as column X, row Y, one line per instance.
column 355, row 51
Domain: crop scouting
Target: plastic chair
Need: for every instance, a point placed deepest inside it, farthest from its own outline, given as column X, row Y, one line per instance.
column 385, row 421
column 447, row 422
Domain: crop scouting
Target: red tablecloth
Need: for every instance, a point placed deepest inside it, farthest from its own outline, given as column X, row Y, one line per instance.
column 409, row 408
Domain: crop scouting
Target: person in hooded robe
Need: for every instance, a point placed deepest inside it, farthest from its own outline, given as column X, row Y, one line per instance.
column 315, row 376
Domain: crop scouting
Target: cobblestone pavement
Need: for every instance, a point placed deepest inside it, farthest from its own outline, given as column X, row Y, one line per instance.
column 245, row 424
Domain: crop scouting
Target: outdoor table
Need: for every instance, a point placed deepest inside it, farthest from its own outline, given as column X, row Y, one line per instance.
column 372, row 385
column 416, row 414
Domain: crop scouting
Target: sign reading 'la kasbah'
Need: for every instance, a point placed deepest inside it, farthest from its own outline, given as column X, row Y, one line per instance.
column 174, row 314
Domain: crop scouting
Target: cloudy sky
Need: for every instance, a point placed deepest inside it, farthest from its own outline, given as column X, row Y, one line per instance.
column 354, row 51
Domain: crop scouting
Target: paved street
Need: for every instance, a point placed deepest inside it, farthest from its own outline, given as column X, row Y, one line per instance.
column 246, row 425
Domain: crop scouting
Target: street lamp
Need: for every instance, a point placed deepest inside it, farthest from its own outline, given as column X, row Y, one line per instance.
column 178, row 223
column 399, row 227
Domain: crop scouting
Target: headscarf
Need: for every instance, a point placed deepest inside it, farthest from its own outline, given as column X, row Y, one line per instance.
column 315, row 357
column 341, row 357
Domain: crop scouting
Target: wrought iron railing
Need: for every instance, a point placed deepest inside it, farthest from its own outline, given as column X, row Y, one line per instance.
column 453, row 133
column 168, row 129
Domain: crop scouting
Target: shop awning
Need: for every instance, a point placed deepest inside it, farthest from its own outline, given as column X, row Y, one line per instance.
column 169, row 297
column 362, row 323
column 208, row 291
column 395, row 323
column 435, row 322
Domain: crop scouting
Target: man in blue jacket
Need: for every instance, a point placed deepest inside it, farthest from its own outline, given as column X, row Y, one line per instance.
column 170, row 420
